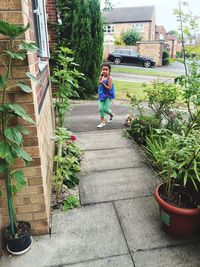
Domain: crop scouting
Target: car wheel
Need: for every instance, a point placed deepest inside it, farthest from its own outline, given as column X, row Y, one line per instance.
column 147, row 64
column 117, row 61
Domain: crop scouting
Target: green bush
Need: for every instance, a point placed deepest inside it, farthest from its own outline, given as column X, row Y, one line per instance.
column 131, row 37
column 161, row 97
column 165, row 58
column 141, row 126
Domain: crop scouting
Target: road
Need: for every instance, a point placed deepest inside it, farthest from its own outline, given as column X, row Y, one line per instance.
column 175, row 67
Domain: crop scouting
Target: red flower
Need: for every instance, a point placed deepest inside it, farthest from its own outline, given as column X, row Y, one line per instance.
column 73, row 138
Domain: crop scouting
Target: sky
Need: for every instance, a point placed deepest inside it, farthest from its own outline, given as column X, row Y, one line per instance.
column 164, row 9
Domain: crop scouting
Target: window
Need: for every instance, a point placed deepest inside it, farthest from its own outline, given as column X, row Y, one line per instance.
column 109, row 28
column 39, row 14
column 133, row 53
column 138, row 27
column 125, row 52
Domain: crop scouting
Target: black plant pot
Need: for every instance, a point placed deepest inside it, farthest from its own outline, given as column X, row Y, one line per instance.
column 20, row 245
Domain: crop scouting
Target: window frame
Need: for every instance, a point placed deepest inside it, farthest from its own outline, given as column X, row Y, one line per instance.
column 40, row 24
column 138, row 27
column 111, row 27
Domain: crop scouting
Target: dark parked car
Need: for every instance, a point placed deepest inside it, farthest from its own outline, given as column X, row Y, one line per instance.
column 129, row 56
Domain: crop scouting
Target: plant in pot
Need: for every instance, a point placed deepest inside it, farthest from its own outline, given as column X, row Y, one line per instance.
column 176, row 153
column 17, row 234
column 178, row 159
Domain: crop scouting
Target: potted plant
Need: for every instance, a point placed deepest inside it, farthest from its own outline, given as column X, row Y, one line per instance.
column 178, row 159
column 175, row 149
column 17, row 234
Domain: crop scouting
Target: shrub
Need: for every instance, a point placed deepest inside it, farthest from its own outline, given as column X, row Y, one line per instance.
column 161, row 97
column 131, row 37
column 141, row 127
column 165, row 58
column 119, row 40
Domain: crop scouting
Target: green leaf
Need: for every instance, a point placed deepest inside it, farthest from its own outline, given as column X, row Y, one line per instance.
column 19, row 178
column 20, row 112
column 24, row 87
column 14, row 135
column 20, row 56
column 12, row 30
column 22, row 130
column 185, row 177
column 4, row 149
column 2, row 165
column 32, row 77
column 10, row 158
column 32, row 47
column 22, row 154
column 2, row 81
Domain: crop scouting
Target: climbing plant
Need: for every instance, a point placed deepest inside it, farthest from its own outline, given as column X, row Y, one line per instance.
column 11, row 136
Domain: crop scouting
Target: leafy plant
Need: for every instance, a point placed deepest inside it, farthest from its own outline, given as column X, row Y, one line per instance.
column 191, row 92
column 65, row 76
column 161, row 97
column 131, row 37
column 165, row 58
column 177, row 157
column 70, row 203
column 67, row 161
column 11, row 138
column 141, row 126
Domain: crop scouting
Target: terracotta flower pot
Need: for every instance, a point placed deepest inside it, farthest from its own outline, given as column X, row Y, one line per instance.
column 178, row 222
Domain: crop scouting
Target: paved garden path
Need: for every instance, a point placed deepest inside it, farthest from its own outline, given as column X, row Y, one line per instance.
column 117, row 224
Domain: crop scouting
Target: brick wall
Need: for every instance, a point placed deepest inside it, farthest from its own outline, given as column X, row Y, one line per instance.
column 152, row 49
column 52, row 20
column 32, row 202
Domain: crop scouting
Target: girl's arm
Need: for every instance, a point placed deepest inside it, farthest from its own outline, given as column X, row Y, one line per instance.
column 109, row 86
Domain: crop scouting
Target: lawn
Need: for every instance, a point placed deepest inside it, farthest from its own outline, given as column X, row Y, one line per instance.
column 147, row 72
column 122, row 88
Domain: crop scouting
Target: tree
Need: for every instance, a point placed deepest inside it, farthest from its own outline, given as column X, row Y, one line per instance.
column 87, row 42
column 131, row 37
column 107, row 5
column 189, row 23
column 97, row 37
column 65, row 11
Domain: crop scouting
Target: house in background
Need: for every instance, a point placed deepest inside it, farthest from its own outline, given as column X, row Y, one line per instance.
column 140, row 18
column 171, row 42
column 121, row 19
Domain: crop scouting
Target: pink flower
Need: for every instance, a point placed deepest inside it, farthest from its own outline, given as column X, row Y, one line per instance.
column 73, row 137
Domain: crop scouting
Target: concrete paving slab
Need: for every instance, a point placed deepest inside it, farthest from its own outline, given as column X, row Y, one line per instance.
column 118, row 261
column 109, row 159
column 117, row 184
column 102, row 140
column 85, row 117
column 86, row 233
column 183, row 256
column 141, row 224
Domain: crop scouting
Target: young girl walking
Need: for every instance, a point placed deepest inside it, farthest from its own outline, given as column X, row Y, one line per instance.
column 106, row 93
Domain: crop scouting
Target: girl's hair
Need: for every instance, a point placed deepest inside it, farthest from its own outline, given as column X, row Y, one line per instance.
column 106, row 65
